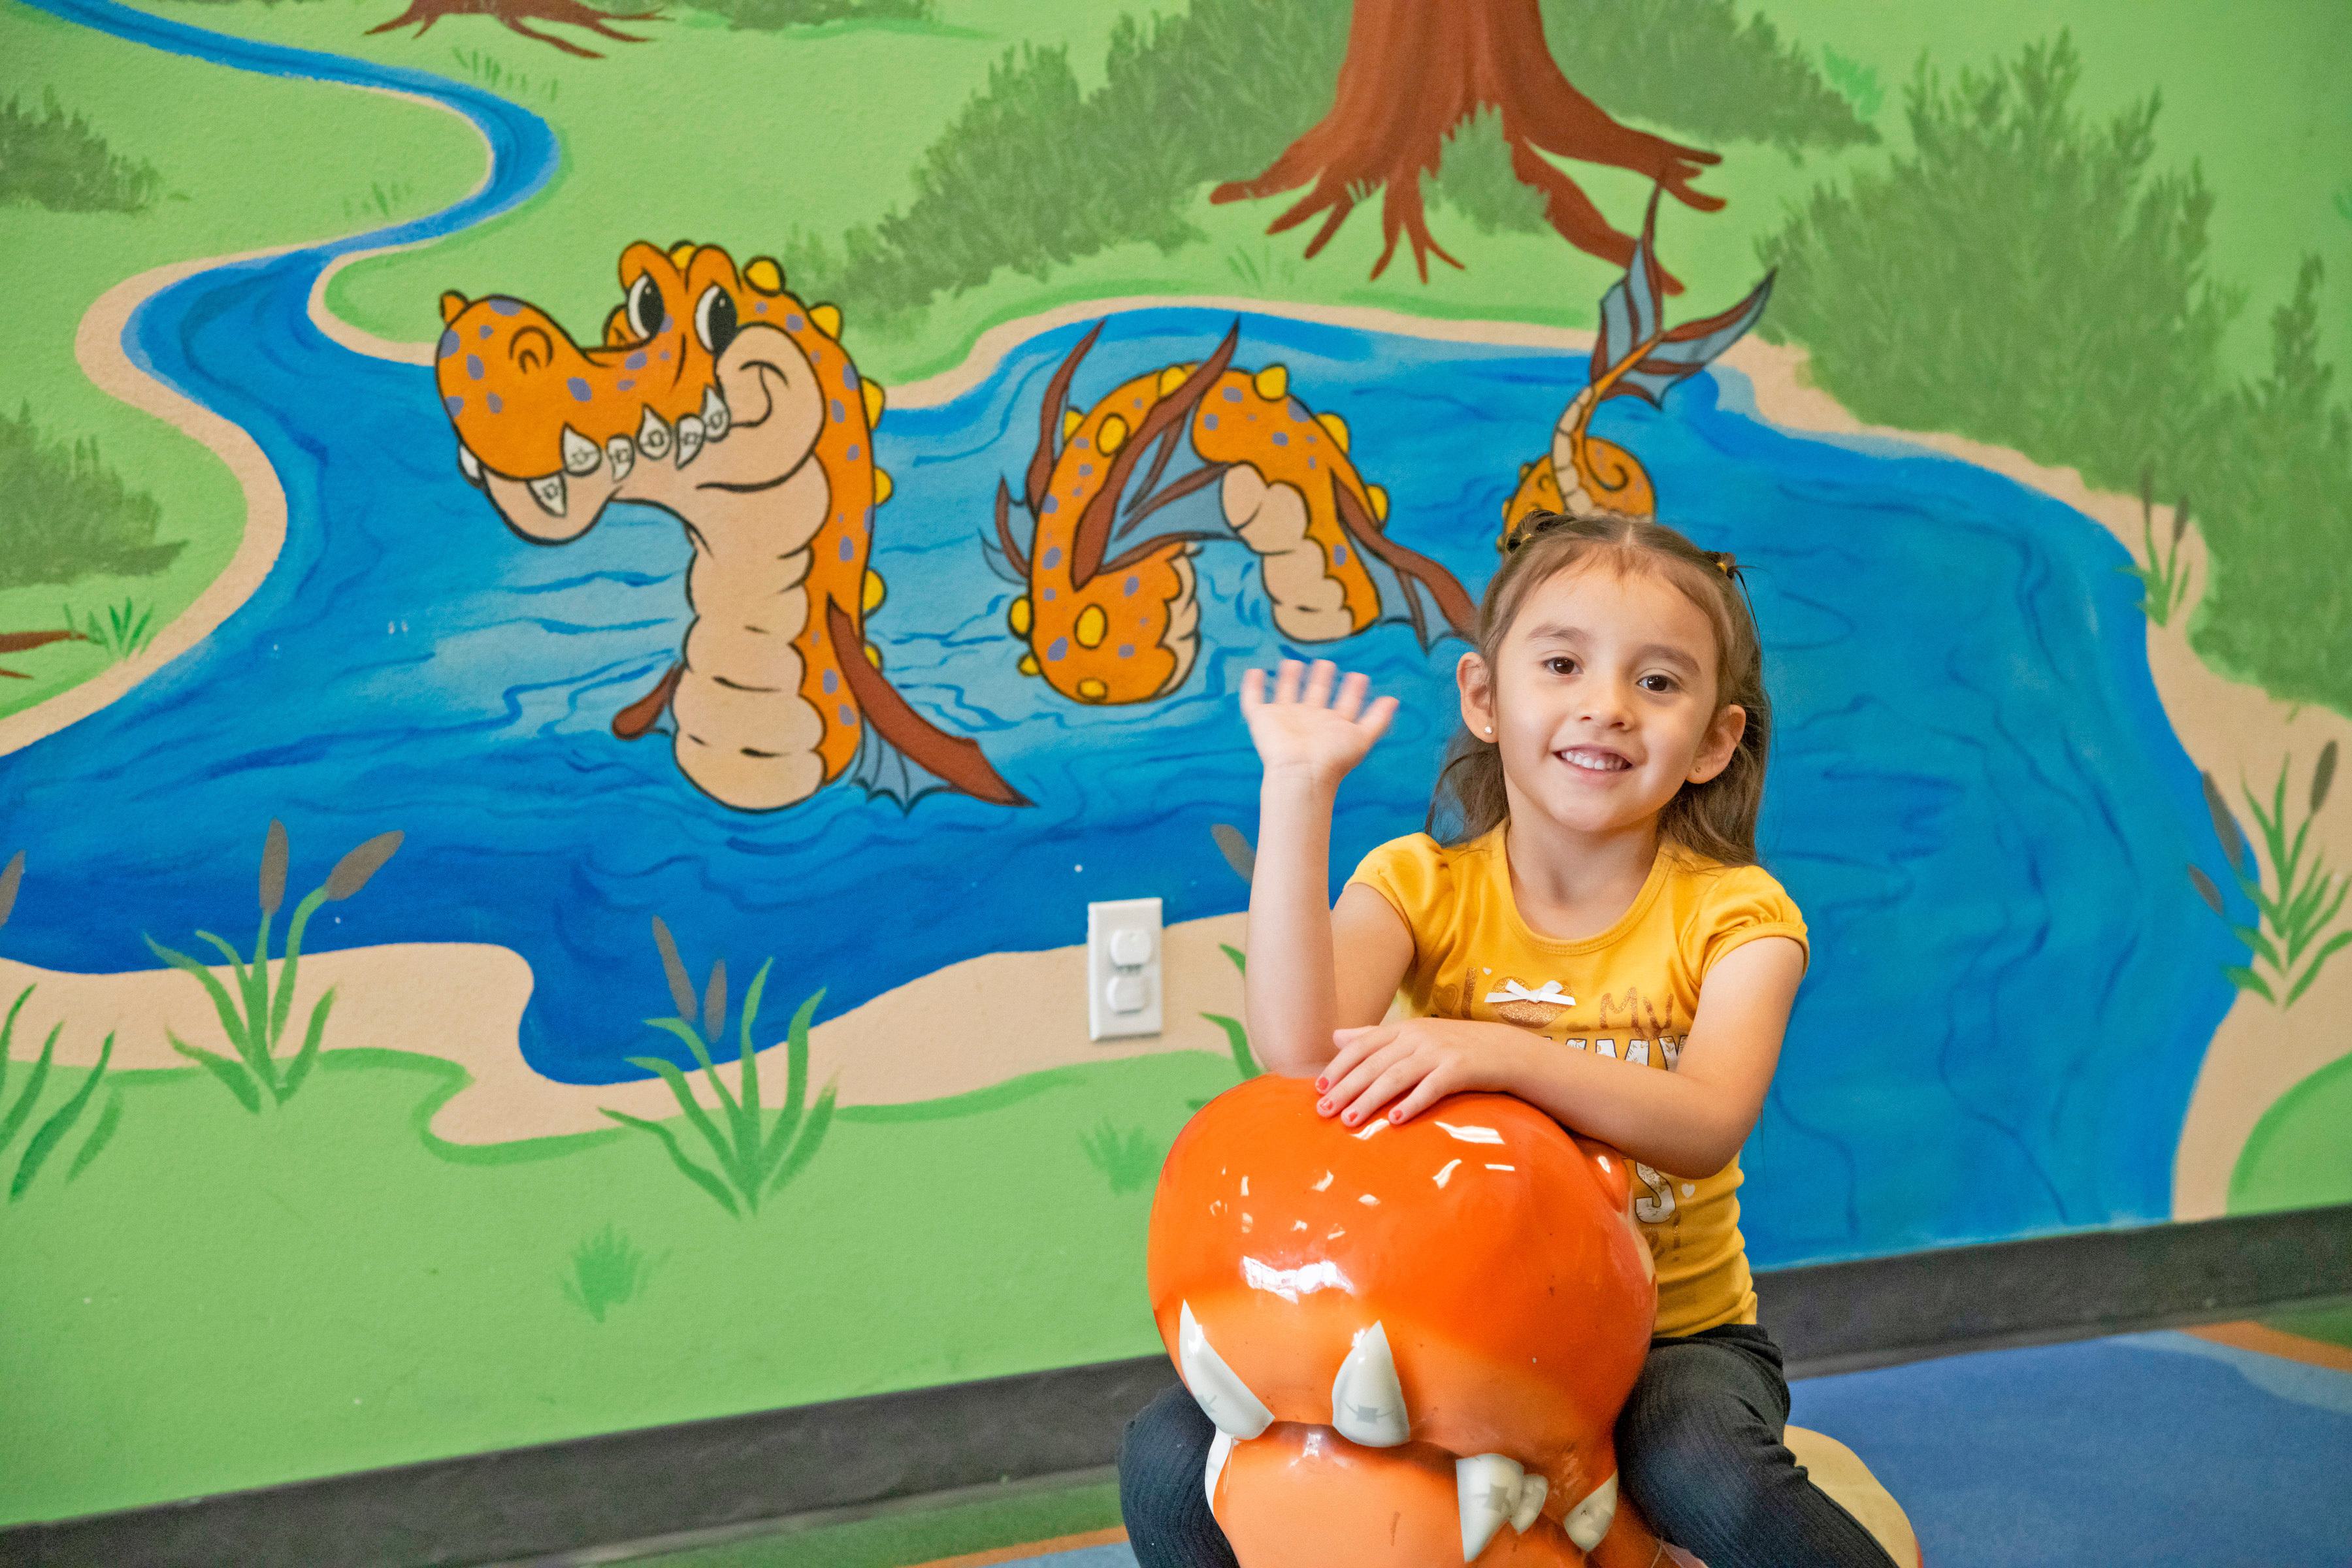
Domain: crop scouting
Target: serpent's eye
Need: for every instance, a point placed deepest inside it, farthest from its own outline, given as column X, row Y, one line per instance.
column 714, row 319
column 644, row 307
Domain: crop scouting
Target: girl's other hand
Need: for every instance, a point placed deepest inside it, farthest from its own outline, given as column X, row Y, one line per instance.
column 1306, row 728
column 1414, row 1063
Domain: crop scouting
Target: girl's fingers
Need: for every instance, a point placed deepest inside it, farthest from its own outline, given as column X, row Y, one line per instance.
column 1391, row 1083
column 1319, row 676
column 1425, row 1093
column 1285, row 681
column 1253, row 688
column 1376, row 717
column 1347, row 1085
column 1350, row 700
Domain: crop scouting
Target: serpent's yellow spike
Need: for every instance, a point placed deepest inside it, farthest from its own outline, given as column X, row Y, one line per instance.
column 827, row 318
column 1336, row 426
column 1071, row 420
column 872, row 390
column 876, row 592
column 1111, row 436
column 1170, row 379
column 1092, row 626
column 1028, row 664
column 1379, row 500
column 681, row 253
column 1017, row 617
column 764, row 275
column 873, row 656
column 1273, row 383
column 884, row 488
column 1092, row 690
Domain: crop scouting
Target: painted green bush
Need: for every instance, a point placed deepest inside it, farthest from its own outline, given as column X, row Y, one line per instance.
column 65, row 515
column 757, row 1152
column 57, row 161
column 770, row 14
column 2027, row 277
column 1129, row 1158
column 254, row 1016
column 1694, row 65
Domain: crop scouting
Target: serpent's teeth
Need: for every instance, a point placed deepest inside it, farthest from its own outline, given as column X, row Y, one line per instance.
column 1221, row 1449
column 622, row 453
column 689, row 439
column 469, row 464
column 581, row 456
column 653, row 436
column 716, row 417
column 549, row 493
column 1532, row 1492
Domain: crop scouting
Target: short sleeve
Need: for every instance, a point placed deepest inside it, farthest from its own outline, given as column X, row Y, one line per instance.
column 1744, row 903
column 1406, row 872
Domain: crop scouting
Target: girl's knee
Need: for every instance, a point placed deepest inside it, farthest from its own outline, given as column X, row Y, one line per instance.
column 1163, row 1460
column 1700, row 1468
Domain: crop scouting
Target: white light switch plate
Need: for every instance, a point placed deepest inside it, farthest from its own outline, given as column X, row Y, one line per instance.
column 1122, row 969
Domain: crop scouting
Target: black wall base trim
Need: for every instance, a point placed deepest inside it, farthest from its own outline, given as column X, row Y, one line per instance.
column 703, row 1476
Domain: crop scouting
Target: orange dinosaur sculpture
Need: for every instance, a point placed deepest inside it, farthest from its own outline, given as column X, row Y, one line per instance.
column 1635, row 353
column 724, row 400
column 1105, row 628
column 1414, row 1339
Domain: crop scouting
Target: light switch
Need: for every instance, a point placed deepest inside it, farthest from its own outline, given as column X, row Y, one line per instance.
column 1123, row 994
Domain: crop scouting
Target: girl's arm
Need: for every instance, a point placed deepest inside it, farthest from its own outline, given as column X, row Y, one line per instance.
column 1689, row 1121
column 1312, row 969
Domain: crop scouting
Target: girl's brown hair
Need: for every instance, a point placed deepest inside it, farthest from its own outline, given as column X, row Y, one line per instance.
column 1715, row 819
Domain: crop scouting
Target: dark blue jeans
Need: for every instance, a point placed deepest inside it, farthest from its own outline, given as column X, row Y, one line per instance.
column 1699, row 1450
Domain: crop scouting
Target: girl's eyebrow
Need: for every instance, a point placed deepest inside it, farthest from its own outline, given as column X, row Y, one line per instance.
column 1571, row 636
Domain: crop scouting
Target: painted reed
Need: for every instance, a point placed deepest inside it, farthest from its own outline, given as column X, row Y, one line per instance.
column 2163, row 575
column 1236, row 1032
column 607, row 1271
column 757, row 1153
column 254, row 1016
column 2300, row 900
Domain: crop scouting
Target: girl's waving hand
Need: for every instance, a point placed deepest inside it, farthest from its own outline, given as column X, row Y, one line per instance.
column 1307, row 727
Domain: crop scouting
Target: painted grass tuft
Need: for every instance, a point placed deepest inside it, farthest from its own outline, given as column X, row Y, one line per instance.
column 2163, row 575
column 607, row 1271
column 2300, row 899
column 19, row 1114
column 1128, row 1159
column 125, row 628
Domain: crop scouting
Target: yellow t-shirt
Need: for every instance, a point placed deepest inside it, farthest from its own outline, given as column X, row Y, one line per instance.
column 1629, row 993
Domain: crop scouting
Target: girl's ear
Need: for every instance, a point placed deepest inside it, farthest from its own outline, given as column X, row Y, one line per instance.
column 1715, row 753
column 1476, row 681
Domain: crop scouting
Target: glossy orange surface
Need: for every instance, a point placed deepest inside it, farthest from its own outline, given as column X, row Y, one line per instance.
column 1495, row 1253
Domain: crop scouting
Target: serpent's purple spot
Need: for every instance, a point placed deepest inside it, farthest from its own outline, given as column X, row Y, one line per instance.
column 847, row 549
column 832, row 681
column 794, row 323
column 1061, row 646
column 634, row 361
column 497, row 405
column 1053, row 556
column 457, row 405
column 1133, row 583
column 1281, row 438
column 579, row 389
column 504, row 306
column 853, row 451
column 474, row 366
column 1126, row 650
column 1233, row 394
column 448, row 344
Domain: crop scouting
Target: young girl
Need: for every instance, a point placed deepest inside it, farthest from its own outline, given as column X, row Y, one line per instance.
column 1597, row 910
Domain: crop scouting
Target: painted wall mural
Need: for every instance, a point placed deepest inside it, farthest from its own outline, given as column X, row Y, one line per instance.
column 550, row 773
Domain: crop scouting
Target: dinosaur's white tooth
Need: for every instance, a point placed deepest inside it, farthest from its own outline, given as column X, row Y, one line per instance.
column 549, row 493
column 469, row 464
column 716, row 416
column 1222, row 1396
column 1367, row 1405
column 653, row 436
column 1533, row 1490
column 1587, row 1522
column 689, row 439
column 1486, row 1486
column 622, row 453
column 581, row 456
column 1221, row 1449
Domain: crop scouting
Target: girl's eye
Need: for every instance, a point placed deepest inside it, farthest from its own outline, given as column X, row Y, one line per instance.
column 1657, row 683
column 1560, row 664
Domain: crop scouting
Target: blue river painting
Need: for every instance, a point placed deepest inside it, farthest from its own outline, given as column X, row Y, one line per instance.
column 1976, row 798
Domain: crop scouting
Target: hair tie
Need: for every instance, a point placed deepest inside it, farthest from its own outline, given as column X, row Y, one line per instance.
column 1726, row 563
